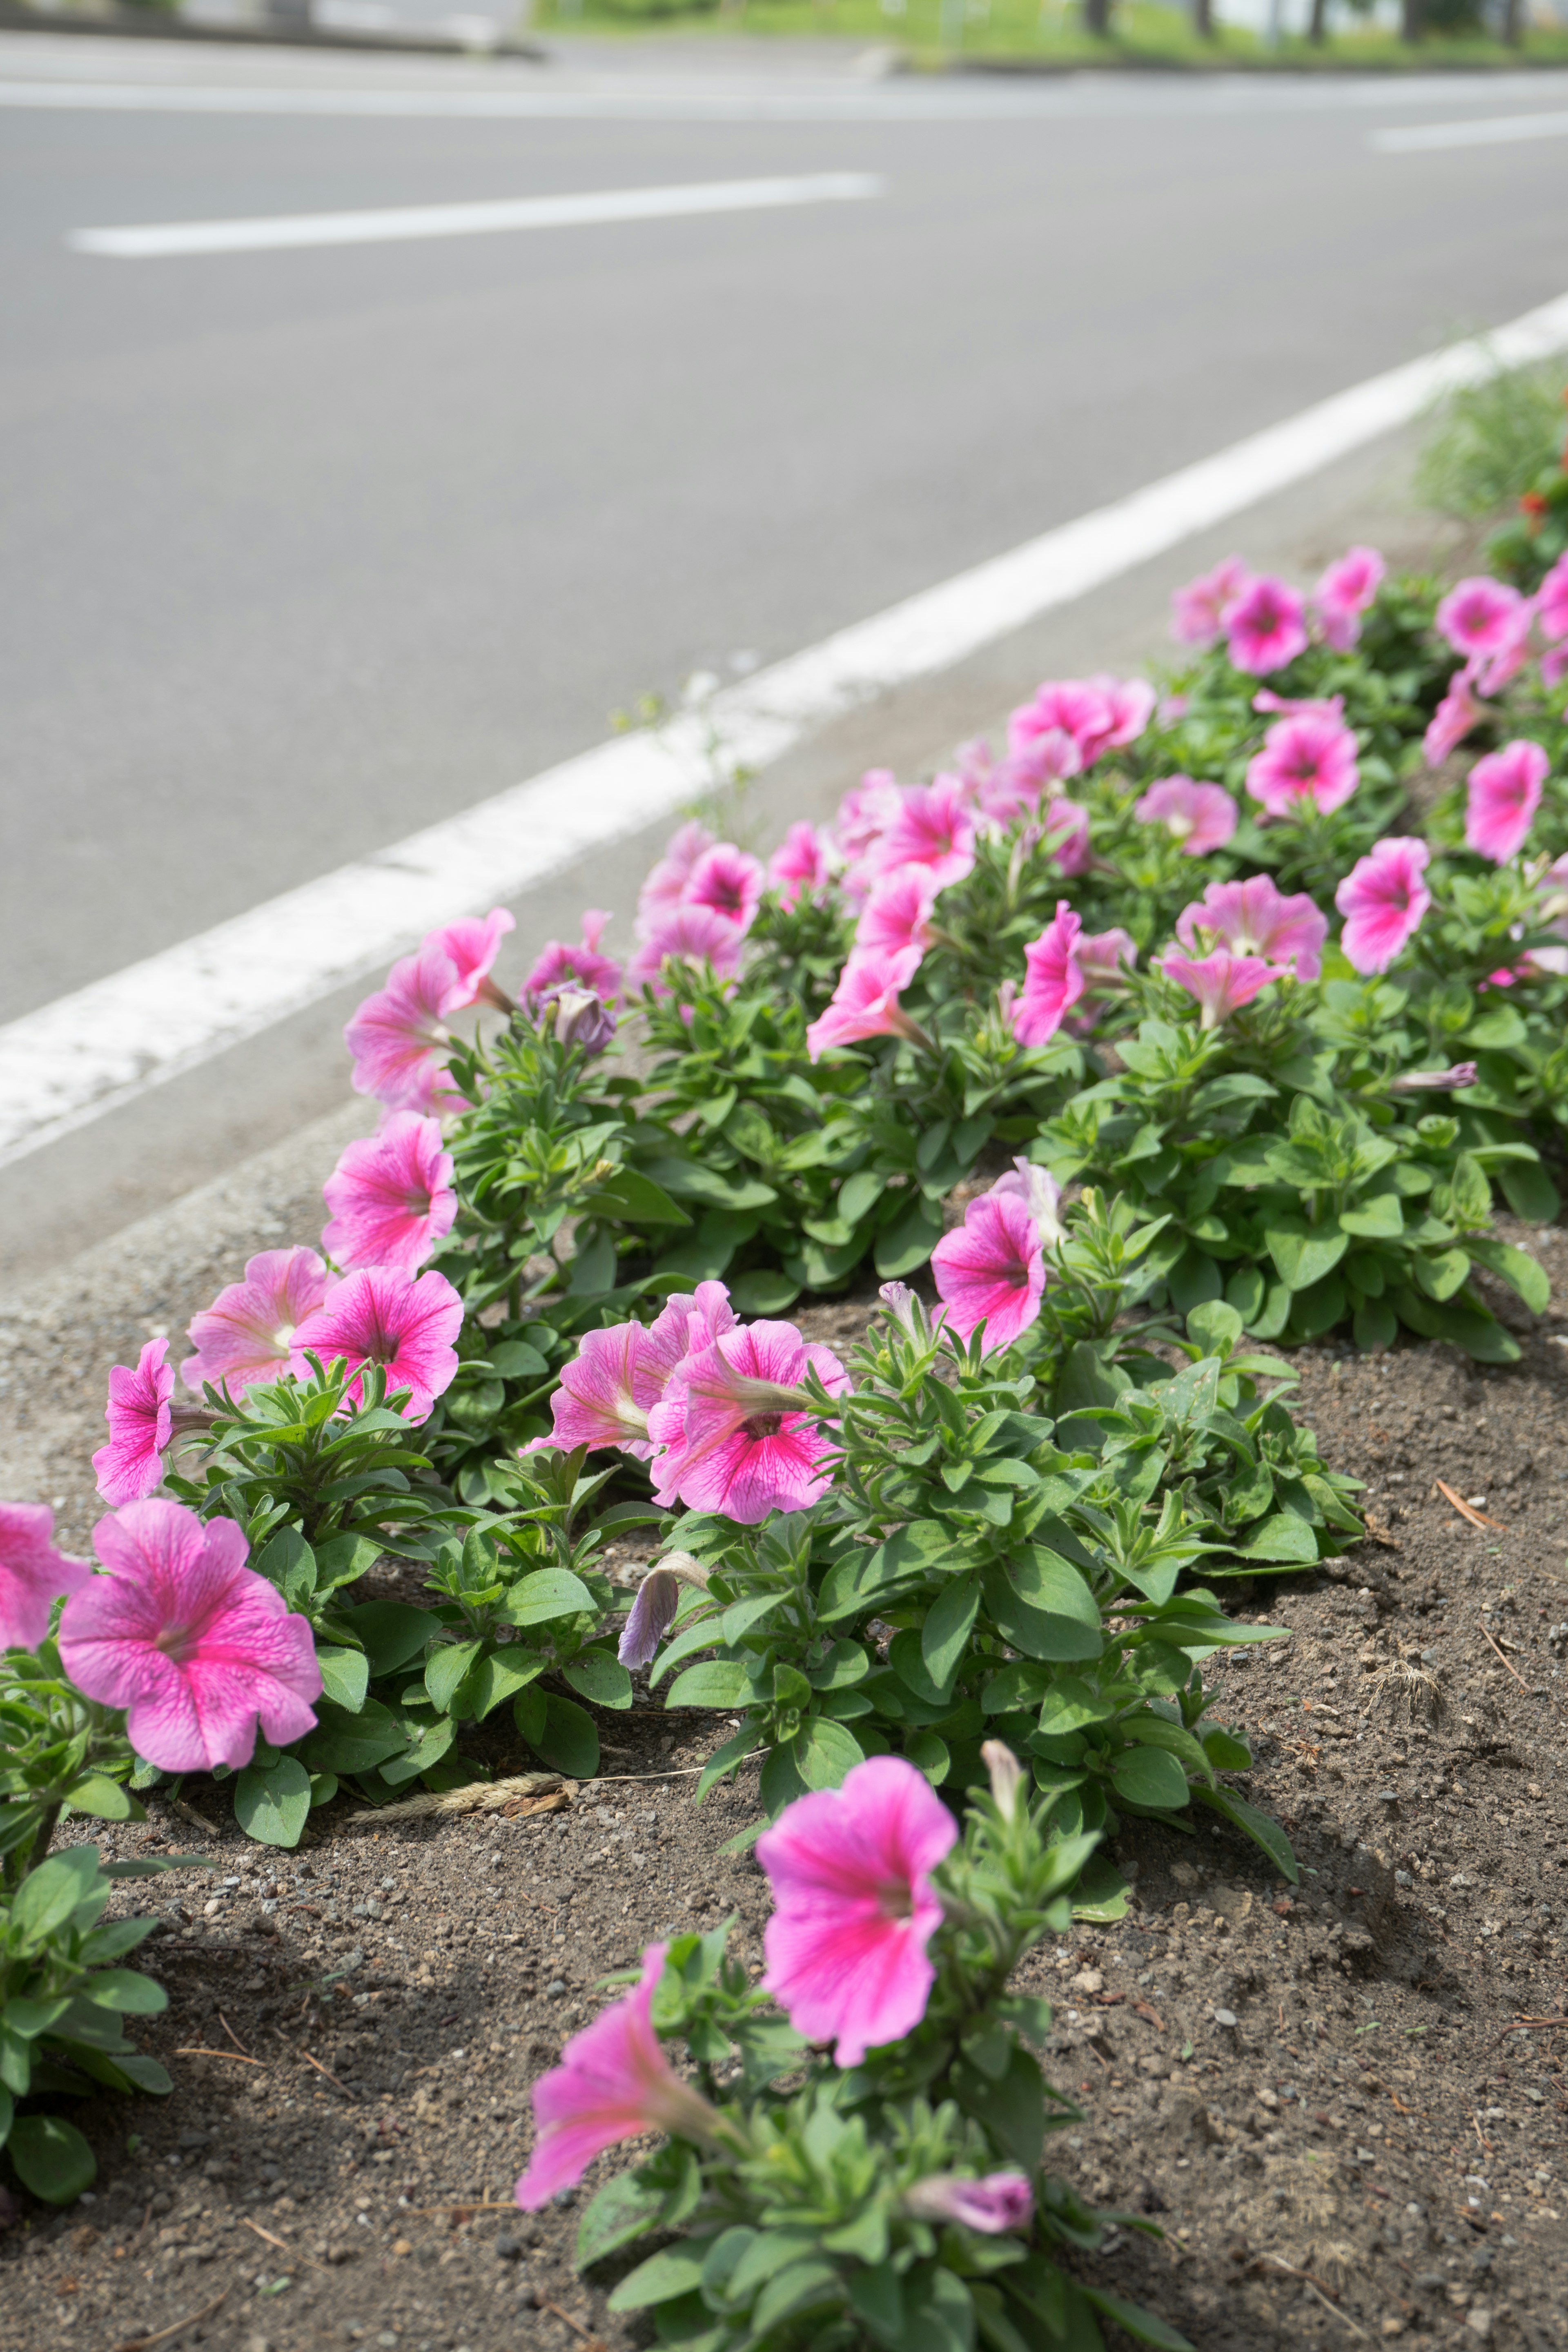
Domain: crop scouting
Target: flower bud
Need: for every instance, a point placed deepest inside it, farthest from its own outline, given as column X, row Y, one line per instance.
column 581, row 1018
column 1437, row 1082
column 999, row 2201
column 1006, row 1776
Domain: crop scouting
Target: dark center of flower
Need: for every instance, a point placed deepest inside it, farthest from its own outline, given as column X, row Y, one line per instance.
column 895, row 1899
column 174, row 1640
column 764, row 1424
column 1017, row 1275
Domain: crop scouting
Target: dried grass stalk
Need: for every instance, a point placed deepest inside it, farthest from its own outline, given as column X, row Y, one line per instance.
column 478, row 1796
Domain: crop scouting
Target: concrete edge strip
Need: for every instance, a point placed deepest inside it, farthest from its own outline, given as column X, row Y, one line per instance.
column 71, row 1061
column 1489, row 131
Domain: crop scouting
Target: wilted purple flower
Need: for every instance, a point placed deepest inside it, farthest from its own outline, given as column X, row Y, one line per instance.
column 1435, row 1082
column 653, row 1610
column 581, row 1019
column 997, row 2202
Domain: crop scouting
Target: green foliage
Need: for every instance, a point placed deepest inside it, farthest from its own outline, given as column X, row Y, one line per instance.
column 1489, row 441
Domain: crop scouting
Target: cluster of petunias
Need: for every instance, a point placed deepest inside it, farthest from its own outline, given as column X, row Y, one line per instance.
column 1263, row 621
column 1491, row 625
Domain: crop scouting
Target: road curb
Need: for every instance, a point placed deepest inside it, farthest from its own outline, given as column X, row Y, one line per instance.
column 158, row 25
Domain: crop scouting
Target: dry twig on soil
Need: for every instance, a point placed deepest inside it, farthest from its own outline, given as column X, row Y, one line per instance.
column 477, row 1797
column 144, row 2343
column 1467, row 1511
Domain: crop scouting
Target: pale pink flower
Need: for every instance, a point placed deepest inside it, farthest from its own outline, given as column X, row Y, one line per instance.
column 247, row 1335
column 932, row 828
column 140, row 1424
column 377, row 1317
column 1066, row 837
column 1344, row 592
column 689, row 935
column 803, row 864
column 1198, row 818
column 559, row 964
column 1054, row 981
column 613, row 2083
column 580, row 1018
column 1383, row 899
column 1078, row 707
column 1103, row 959
column 666, row 885
column 1452, row 721
column 896, row 915
column 1501, row 798
column 1129, row 703
column 1015, row 785
column 1265, row 627
column 399, row 1038
column 733, row 1442
column 1498, row 669
column 1297, row 705
column 1252, row 919
column 195, row 1646
column 1305, row 764
column 728, row 882
column 618, row 1376
column 1554, row 666
column 855, row 1906
column 1440, row 1082
column 866, row 1003
column 1479, row 616
column 649, row 1619
column 1198, row 609
column 391, row 1196
column 1038, row 1190
column 995, row 2202
column 32, row 1574
column 991, row 1269
column 473, row 945
column 1552, row 603
column 866, row 812
column 1221, row 983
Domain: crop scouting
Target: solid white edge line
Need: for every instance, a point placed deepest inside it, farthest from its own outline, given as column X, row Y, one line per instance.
column 278, row 232
column 1490, row 131
column 71, row 1061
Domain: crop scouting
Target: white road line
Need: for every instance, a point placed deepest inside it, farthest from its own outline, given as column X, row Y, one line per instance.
column 271, row 233
column 73, row 1060
column 1489, row 131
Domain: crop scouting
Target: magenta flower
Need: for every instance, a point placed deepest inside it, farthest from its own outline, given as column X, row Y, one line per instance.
column 618, row 1376
column 732, row 1444
column 613, row 2083
column 728, row 882
column 991, row 1269
column 1554, row 666
column 1252, row 919
column 932, row 828
column 1221, row 983
column 896, row 917
column 247, row 1335
column 866, row 1003
column 1501, row 798
column 195, row 1646
column 1265, row 627
column 1198, row 609
column 1103, row 959
column 666, row 885
column 1383, row 899
column 377, row 1317
column 1344, row 592
column 391, row 1196
column 690, row 935
column 399, row 1039
column 1305, row 763
column 995, row 2202
column 1198, row 818
column 1076, row 708
column 802, row 865
column 1066, row 837
column 1552, row 603
column 1129, row 704
column 1452, row 721
column 32, row 1574
column 558, row 965
column 866, row 812
column 855, row 1905
column 1479, row 616
column 473, row 945
column 1296, row 706
column 1016, row 783
column 1054, row 981
column 141, row 1423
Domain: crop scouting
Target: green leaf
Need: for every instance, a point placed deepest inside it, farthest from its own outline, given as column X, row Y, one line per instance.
column 350, row 1743
column 766, row 1290
column 635, row 1199
column 570, row 1740
column 1012, row 2110
column 1152, row 1730
column 1530, row 1190
column 929, row 1755
column 825, row 1752
column 1225, row 1751
column 799, row 2286
column 908, row 1241
column 105, row 1800
column 1261, row 1828
column 1281, row 1537
column 1143, row 2327
column 393, row 1631
column 1041, row 1605
column 501, row 1675
column 154, row 1866
column 714, row 1681
column 598, row 1675
column 51, row 1893
column 128, row 1992
column 447, row 1669
column 1101, row 1892
column 1151, row 1778
column 272, row 1804
column 1303, row 1253
column 549, row 1594
column 939, row 2311
column 674, row 2270
column 946, row 1631
column 1524, row 1274
column 1072, row 1704
column 7, row 2109
column 345, row 1677
column 1375, row 1219
column 51, row 2157
column 623, row 2210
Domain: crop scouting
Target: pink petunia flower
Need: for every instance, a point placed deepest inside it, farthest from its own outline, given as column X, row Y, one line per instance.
column 1554, row 666
column 1252, row 919
column 1438, row 1082
column 195, row 1646
column 247, row 1335
column 1344, row 592
column 690, row 935
column 732, row 1442
column 1383, row 899
column 399, row 1039
column 1501, row 798
column 391, row 1196
column 559, row 964
column 866, row 1003
column 613, row 2083
column 666, row 885
column 1129, row 703
column 932, row 828
column 32, row 1574
column 991, row 1269
column 1103, row 959
column 1066, row 836
column 1305, row 763
column 1452, row 721
column 140, row 1424
column 1198, row 818
column 1496, row 669
column 1038, row 1190
column 995, row 2202
column 473, row 945
column 728, row 882
column 1016, row 783
column 803, row 863
column 855, row 1905
column 1076, row 708
column 1054, row 981
column 377, row 1317
column 896, row 916
column 1552, row 603
column 1265, row 627
column 1198, row 609
column 867, row 811
column 1479, row 616
column 1221, row 983
column 618, row 1376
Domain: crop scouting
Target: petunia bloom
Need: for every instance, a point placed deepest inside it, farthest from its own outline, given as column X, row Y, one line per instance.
column 1129, row 705
column 1305, row 763
column 867, row 811
column 1383, row 899
column 803, row 864
column 1198, row 609
column 689, row 935
column 931, row 828
column 1053, row 980
column 377, row 1317
column 728, row 882
column 559, row 963
column 1198, row 818
column 855, row 1908
column 1040, row 1193
column 391, row 1196
column 1076, row 708
column 618, row 1376
column 896, row 915
column 1066, row 837
column 1265, row 627
column 995, row 2202
column 1435, row 1082
column 991, row 1269
column 1221, row 983
column 1103, row 959
column 247, row 1335
column 473, row 945
column 1453, row 719
column 652, row 1614
column 666, row 885
column 731, row 1442
column 613, row 2083
column 1479, row 616
column 866, row 1003
column 32, row 1574
column 1501, row 798
column 141, row 1423
column 1344, row 592
column 399, row 1038
column 195, row 1646
column 1254, row 919
column 579, row 1017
